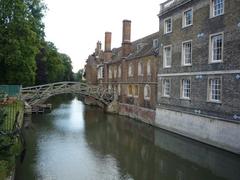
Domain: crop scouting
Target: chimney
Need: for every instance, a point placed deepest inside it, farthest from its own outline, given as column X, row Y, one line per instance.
column 98, row 48
column 126, row 38
column 108, row 50
column 108, row 38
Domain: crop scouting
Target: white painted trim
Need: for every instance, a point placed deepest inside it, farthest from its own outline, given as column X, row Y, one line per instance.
column 164, row 25
column 184, row 20
column 200, row 73
column 210, row 58
column 183, row 55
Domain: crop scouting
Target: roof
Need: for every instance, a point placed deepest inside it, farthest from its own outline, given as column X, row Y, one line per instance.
column 140, row 48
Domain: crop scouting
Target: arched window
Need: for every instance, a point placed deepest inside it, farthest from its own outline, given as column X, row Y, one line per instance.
column 135, row 91
column 130, row 90
column 148, row 68
column 147, row 92
column 119, row 89
column 140, row 68
column 130, row 70
column 119, row 71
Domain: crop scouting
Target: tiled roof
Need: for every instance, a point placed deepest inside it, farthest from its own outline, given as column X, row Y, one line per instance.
column 140, row 48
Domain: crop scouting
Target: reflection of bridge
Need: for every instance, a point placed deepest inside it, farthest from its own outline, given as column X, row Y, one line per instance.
column 38, row 94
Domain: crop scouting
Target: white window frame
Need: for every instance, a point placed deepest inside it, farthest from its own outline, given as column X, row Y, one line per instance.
column 147, row 89
column 119, row 71
column 128, row 87
column 164, row 57
column 119, row 89
column 140, row 68
column 211, row 49
column 183, row 54
column 135, row 91
column 115, row 72
column 110, row 72
column 149, row 68
column 210, row 90
column 130, row 69
column 156, row 43
column 164, row 94
column 212, row 9
column 184, row 88
column 184, row 18
column 166, row 31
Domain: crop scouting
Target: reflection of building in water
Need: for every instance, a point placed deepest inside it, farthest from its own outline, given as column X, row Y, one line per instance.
column 222, row 163
column 136, row 147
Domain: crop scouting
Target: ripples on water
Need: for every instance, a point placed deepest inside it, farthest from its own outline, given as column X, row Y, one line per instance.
column 77, row 142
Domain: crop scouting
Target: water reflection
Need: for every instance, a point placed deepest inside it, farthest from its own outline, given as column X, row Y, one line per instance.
column 81, row 142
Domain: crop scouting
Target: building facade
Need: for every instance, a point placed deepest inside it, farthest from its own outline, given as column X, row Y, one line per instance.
column 199, row 70
column 131, row 72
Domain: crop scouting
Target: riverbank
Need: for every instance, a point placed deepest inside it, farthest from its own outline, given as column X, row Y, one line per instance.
column 12, row 113
column 213, row 131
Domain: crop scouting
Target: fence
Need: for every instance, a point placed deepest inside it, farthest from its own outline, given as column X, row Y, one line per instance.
column 11, row 90
column 9, row 113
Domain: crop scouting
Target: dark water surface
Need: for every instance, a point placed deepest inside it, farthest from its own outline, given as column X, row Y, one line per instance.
column 78, row 142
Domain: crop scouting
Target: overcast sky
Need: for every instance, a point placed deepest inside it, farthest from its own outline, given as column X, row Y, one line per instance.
column 75, row 26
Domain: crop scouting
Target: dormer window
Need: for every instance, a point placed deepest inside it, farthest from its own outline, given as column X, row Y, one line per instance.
column 155, row 43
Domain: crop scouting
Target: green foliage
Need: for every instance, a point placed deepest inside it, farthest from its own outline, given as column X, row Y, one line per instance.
column 79, row 75
column 21, row 30
column 52, row 66
column 25, row 57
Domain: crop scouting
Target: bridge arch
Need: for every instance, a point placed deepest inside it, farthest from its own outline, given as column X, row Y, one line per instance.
column 35, row 95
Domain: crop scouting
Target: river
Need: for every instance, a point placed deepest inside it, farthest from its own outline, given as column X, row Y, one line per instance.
column 79, row 142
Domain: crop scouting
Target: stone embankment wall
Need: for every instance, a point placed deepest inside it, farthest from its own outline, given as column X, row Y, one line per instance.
column 209, row 130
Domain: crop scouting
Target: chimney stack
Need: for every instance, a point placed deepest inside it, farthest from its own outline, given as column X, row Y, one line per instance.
column 108, row 50
column 98, row 48
column 126, row 38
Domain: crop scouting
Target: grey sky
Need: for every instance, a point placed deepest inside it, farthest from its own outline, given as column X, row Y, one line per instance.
column 75, row 26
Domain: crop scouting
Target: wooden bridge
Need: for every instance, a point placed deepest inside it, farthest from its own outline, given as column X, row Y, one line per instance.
column 39, row 94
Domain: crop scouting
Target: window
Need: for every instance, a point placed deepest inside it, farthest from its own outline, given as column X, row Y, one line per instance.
column 187, row 53
column 167, row 56
column 216, row 48
column 115, row 71
column 167, row 25
column 130, row 91
column 100, row 72
column 148, row 68
column 147, row 92
column 155, row 43
column 186, row 88
column 130, row 70
column 119, row 71
column 140, row 68
column 119, row 89
column 110, row 72
column 166, row 87
column 215, row 87
column 135, row 91
column 217, row 8
column 187, row 18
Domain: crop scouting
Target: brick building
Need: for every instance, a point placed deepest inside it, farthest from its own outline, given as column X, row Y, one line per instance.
column 199, row 70
column 131, row 71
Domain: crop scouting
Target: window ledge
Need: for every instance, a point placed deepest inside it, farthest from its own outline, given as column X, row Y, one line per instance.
column 186, row 99
column 186, row 26
column 215, row 62
column 212, row 17
column 215, row 102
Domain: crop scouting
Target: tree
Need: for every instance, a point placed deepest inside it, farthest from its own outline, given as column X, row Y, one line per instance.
column 21, row 31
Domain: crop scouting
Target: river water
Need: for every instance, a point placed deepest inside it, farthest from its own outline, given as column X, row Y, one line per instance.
column 78, row 142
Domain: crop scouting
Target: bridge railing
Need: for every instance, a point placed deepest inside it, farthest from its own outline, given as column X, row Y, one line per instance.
column 35, row 94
